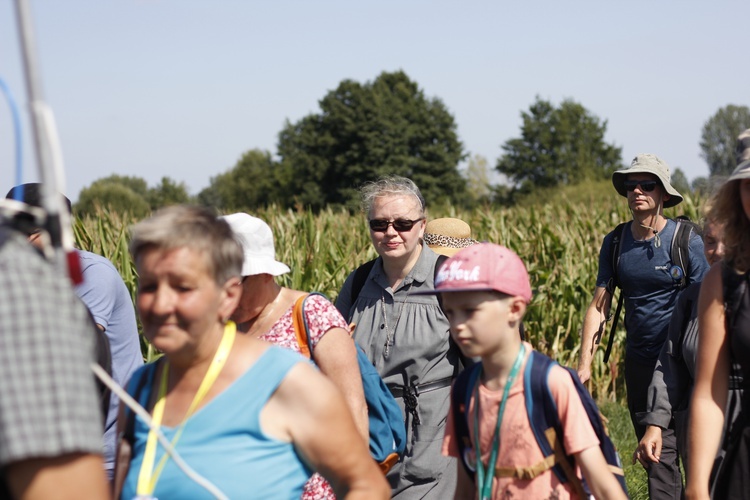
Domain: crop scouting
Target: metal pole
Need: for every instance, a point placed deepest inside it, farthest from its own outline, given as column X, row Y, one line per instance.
column 48, row 154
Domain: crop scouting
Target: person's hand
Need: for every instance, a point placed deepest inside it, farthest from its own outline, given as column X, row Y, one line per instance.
column 649, row 448
column 584, row 373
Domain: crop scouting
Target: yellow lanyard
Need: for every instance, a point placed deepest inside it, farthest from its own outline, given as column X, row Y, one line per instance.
column 148, row 477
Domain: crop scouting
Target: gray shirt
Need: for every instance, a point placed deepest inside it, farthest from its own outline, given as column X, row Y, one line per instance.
column 419, row 353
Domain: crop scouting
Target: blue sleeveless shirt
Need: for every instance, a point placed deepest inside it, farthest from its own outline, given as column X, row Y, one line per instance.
column 224, row 443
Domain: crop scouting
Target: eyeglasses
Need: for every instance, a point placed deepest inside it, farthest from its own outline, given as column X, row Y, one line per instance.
column 646, row 186
column 401, row 225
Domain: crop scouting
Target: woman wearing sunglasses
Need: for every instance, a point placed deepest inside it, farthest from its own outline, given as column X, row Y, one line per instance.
column 405, row 335
column 650, row 283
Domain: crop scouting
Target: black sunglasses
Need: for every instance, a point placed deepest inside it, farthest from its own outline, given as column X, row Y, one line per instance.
column 646, row 186
column 381, row 225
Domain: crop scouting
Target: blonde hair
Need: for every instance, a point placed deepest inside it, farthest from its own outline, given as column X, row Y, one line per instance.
column 726, row 210
column 196, row 228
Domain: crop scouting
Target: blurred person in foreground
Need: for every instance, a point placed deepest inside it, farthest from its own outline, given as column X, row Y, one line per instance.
column 50, row 420
column 724, row 339
column 109, row 302
column 252, row 418
column 674, row 376
column 265, row 312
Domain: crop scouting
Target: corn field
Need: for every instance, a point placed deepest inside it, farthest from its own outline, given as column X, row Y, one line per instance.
column 558, row 240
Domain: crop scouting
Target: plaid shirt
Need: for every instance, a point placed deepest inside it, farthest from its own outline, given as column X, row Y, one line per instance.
column 48, row 401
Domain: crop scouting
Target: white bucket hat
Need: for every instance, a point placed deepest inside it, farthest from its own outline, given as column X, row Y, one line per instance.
column 743, row 157
column 646, row 163
column 256, row 239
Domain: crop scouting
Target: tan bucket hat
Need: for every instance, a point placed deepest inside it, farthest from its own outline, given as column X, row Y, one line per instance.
column 646, row 163
column 743, row 157
column 447, row 235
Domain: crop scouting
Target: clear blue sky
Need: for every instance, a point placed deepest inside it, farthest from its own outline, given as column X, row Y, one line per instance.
column 181, row 88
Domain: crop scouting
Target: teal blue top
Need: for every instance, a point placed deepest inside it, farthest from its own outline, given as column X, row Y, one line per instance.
column 224, row 443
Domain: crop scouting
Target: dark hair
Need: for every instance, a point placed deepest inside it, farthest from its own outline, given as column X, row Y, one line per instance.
column 727, row 210
column 31, row 194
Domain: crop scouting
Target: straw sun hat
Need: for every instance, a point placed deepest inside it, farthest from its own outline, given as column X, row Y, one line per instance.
column 447, row 235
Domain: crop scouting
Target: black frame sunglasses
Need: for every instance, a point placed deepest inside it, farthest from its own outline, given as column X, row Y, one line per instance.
column 400, row 225
column 646, row 186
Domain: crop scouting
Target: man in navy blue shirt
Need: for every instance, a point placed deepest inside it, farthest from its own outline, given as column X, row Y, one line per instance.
column 648, row 280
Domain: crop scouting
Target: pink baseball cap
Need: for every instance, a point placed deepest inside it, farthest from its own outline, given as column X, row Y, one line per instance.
column 484, row 266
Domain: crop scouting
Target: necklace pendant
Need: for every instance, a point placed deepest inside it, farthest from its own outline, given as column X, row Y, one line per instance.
column 388, row 344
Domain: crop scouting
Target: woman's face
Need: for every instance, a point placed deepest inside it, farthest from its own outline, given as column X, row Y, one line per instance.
column 713, row 247
column 392, row 244
column 178, row 300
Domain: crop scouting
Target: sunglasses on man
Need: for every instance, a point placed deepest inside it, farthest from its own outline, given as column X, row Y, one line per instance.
column 400, row 225
column 646, row 186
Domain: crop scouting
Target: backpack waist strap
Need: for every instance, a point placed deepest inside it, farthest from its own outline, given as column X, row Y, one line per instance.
column 399, row 391
column 526, row 473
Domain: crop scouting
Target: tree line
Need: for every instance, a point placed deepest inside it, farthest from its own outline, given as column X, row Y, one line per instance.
column 388, row 126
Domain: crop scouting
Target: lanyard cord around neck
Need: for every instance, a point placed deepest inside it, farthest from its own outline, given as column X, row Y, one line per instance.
column 148, row 476
column 484, row 477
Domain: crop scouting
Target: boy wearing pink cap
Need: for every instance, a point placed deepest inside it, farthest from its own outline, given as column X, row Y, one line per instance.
column 485, row 291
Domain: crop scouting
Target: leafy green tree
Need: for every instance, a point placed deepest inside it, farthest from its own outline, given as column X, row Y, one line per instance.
column 680, row 181
column 563, row 145
column 719, row 138
column 168, row 192
column 111, row 196
column 364, row 131
column 252, row 183
column 701, row 185
column 478, row 179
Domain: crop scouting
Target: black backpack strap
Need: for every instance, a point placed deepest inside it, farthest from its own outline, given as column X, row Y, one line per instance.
column 360, row 278
column 614, row 255
column 460, row 399
column 679, row 252
column 733, row 286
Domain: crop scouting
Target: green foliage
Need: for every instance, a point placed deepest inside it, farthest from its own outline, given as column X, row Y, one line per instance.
column 680, row 182
column 719, row 137
column 253, row 182
column 623, row 436
column 129, row 195
column 114, row 197
column 563, row 145
column 478, row 181
column 168, row 192
column 364, row 131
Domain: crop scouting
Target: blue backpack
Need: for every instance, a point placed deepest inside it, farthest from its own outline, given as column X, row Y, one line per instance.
column 545, row 422
column 387, row 429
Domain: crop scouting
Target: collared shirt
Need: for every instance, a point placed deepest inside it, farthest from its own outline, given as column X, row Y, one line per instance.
column 48, row 401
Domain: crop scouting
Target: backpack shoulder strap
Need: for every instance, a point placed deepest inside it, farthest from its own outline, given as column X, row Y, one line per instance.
column 439, row 262
column 733, row 286
column 460, row 400
column 360, row 278
column 301, row 328
column 545, row 422
column 615, row 249
column 679, row 252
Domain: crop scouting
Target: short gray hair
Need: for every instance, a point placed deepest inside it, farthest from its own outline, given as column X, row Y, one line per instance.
column 393, row 185
column 196, row 228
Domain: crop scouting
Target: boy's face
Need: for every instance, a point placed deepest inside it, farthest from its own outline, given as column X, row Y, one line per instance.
column 481, row 321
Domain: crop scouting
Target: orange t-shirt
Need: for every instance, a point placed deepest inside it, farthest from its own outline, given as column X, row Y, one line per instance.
column 518, row 446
